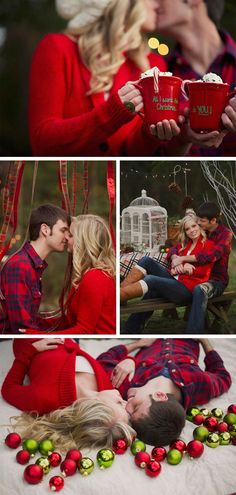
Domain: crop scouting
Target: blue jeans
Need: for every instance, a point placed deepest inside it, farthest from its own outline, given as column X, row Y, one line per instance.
column 160, row 284
column 201, row 294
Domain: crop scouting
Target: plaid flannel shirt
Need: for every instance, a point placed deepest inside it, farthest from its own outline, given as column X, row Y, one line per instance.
column 222, row 239
column 180, row 356
column 225, row 66
column 21, row 288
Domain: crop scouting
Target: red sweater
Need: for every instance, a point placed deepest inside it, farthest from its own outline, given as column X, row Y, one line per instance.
column 201, row 273
column 64, row 121
column 51, row 375
column 91, row 307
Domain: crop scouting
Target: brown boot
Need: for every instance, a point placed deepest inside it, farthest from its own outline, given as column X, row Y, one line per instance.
column 133, row 276
column 130, row 292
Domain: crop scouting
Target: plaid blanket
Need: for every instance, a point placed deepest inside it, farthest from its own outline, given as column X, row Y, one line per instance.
column 128, row 260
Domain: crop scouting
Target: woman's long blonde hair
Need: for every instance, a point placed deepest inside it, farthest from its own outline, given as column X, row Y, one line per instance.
column 183, row 238
column 87, row 423
column 92, row 246
column 105, row 44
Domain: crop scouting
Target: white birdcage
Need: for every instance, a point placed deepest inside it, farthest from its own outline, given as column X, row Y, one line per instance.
column 143, row 223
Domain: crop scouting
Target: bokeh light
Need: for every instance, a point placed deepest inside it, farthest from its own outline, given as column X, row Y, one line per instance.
column 163, row 49
column 153, row 43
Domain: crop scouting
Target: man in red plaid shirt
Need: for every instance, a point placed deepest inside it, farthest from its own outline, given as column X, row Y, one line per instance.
column 21, row 276
column 201, row 48
column 209, row 220
column 162, row 381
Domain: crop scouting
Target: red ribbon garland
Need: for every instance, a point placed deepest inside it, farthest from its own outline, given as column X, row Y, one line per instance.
column 62, row 177
column 10, row 203
column 86, row 189
column 74, row 188
column 111, row 195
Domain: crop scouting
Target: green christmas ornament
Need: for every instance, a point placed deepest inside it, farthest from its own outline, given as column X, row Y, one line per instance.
column 137, row 446
column 46, row 447
column 44, row 463
column 200, row 433
column 174, row 456
column 205, row 412
column 217, row 412
column 230, row 418
column 86, row 466
column 105, row 458
column 31, row 445
column 232, row 430
column 213, row 440
column 225, row 438
column 191, row 412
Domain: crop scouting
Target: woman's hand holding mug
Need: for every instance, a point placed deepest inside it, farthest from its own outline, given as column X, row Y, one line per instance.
column 131, row 97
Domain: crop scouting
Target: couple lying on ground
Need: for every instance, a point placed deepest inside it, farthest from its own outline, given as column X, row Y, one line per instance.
column 91, row 303
column 199, row 270
column 79, row 401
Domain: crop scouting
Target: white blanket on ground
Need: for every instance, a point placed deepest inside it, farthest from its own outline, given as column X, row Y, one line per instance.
column 212, row 474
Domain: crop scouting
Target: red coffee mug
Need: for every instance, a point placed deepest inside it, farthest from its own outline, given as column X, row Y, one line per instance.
column 207, row 102
column 162, row 102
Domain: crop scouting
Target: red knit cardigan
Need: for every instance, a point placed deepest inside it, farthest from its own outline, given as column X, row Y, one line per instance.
column 201, row 273
column 64, row 121
column 91, row 307
column 51, row 376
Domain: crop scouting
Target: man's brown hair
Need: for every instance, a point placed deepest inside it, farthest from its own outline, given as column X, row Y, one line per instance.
column 215, row 9
column 48, row 214
column 163, row 423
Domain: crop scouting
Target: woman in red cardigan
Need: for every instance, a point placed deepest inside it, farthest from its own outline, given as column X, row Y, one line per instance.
column 175, row 284
column 69, row 397
column 91, row 304
column 78, row 93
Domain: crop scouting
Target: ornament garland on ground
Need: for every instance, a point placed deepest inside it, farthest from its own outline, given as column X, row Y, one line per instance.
column 214, row 429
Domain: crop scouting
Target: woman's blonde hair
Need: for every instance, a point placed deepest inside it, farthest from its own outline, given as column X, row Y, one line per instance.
column 106, row 43
column 92, row 246
column 183, row 238
column 87, row 423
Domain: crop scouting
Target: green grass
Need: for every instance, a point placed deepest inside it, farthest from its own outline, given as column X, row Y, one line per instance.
column 163, row 325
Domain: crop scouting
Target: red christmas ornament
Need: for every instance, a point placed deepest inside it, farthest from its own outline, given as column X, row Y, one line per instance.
column 23, row 456
column 141, row 459
column 74, row 455
column 232, row 409
column 195, row 448
column 120, row 446
column 68, row 467
column 33, row 474
column 54, row 459
column 13, row 440
column 56, row 483
column 159, row 453
column 198, row 419
column 222, row 427
column 153, row 469
column 211, row 424
column 179, row 445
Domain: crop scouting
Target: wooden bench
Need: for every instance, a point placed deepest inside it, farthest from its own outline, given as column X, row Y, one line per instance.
column 218, row 306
